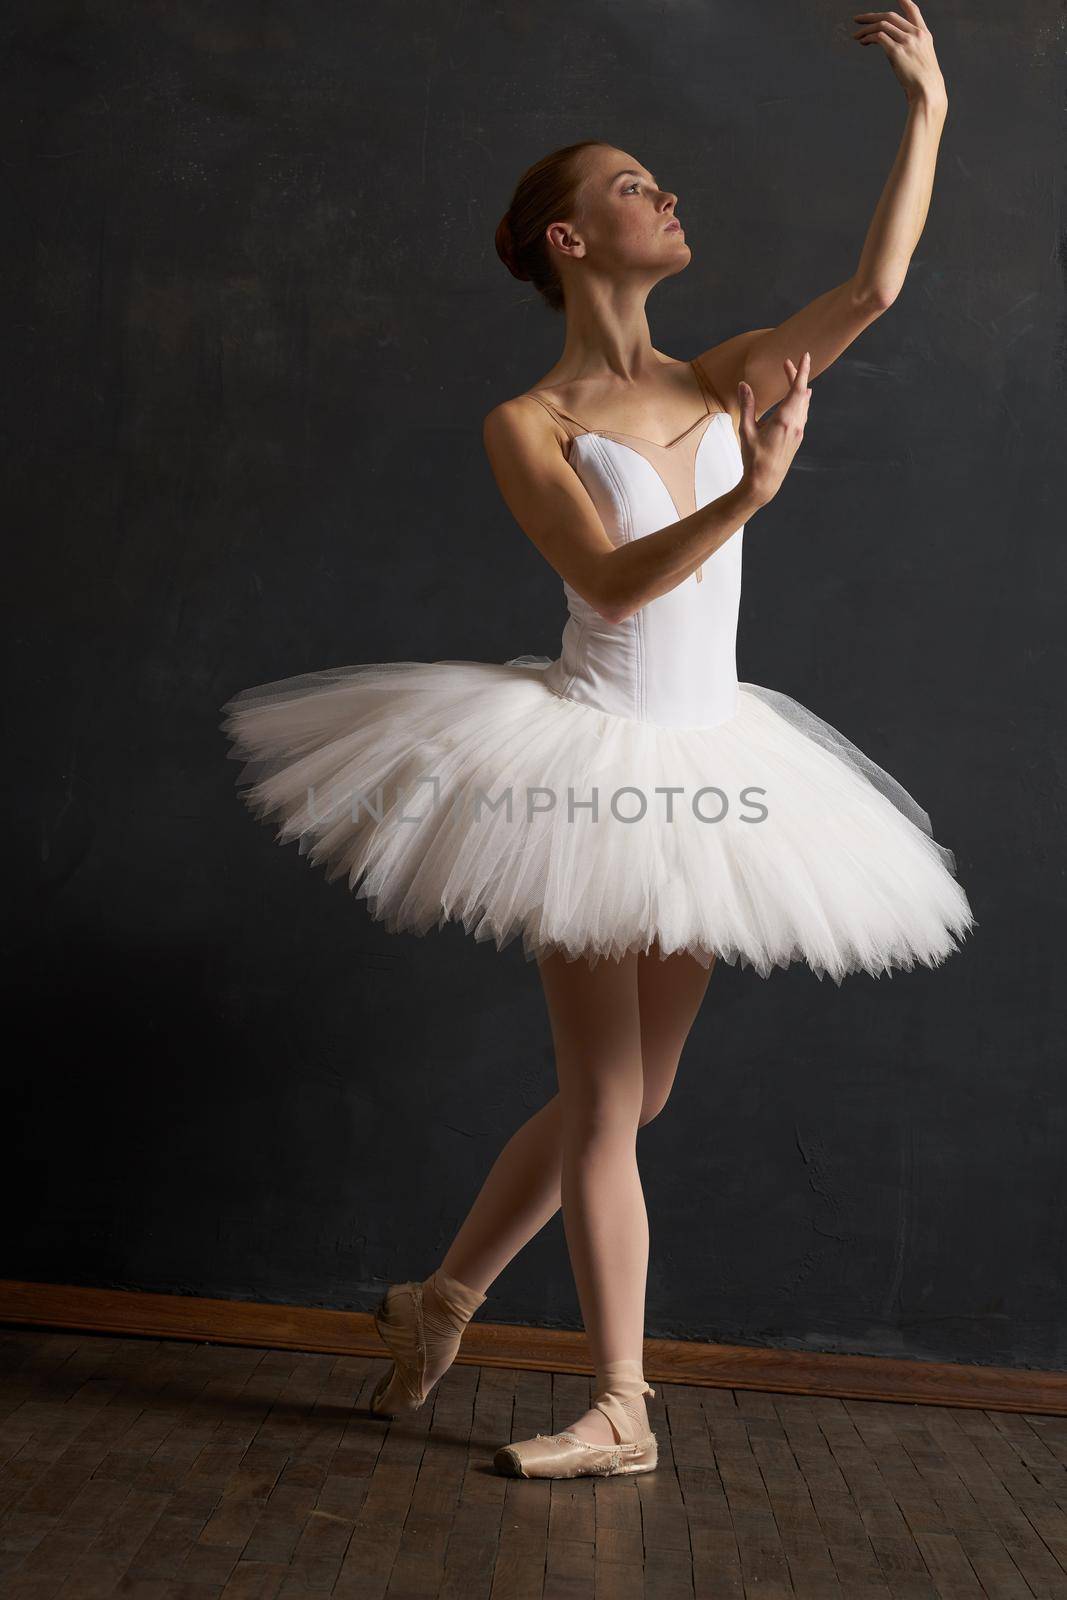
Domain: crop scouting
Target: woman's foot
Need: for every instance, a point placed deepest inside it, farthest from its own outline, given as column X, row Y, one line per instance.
column 422, row 1325
column 595, row 1429
column 612, row 1437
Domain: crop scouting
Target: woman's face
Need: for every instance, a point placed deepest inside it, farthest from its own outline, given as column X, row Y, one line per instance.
column 625, row 220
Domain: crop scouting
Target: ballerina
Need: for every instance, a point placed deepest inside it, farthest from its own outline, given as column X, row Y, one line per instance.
column 630, row 809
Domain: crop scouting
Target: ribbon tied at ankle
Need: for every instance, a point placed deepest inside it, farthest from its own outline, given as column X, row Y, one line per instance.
column 620, row 1396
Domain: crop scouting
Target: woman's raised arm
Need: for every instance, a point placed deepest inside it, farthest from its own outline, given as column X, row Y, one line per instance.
column 830, row 323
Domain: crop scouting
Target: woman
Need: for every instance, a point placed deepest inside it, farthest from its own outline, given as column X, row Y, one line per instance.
column 805, row 850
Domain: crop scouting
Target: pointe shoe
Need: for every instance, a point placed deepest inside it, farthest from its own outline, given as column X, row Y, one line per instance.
column 416, row 1337
column 565, row 1455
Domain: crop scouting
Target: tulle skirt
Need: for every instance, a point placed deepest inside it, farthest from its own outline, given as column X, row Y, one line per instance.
column 472, row 792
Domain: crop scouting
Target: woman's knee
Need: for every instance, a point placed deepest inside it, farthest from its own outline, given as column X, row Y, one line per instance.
column 593, row 1113
column 589, row 1117
column 651, row 1107
column 659, row 1079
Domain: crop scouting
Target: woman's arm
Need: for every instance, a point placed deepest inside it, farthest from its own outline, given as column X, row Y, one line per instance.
column 553, row 508
column 900, row 215
column 831, row 322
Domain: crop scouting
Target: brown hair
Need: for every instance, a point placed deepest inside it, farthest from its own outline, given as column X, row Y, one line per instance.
column 546, row 192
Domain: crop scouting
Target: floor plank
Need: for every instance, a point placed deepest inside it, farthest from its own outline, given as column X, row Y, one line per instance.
column 184, row 1471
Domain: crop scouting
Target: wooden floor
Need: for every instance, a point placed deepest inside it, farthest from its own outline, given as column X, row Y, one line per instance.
column 166, row 1470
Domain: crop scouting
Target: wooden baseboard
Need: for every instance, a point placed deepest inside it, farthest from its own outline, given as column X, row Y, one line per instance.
column 499, row 1344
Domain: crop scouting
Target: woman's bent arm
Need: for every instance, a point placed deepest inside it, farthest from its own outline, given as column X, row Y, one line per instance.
column 642, row 569
column 552, row 506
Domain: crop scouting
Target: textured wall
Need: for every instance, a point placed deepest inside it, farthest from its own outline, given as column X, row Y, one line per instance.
column 254, row 321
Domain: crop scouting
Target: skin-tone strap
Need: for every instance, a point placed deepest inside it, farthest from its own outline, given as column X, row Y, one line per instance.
column 570, row 425
column 707, row 384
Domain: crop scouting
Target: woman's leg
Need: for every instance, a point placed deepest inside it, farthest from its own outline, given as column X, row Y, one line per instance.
column 669, row 992
column 523, row 1188
column 596, row 1030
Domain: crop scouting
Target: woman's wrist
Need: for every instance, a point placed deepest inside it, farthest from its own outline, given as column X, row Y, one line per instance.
column 746, row 497
column 930, row 100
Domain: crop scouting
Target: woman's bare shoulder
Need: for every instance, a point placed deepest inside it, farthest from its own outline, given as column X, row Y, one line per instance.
column 521, row 420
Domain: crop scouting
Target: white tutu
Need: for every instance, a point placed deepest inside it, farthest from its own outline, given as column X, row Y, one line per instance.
column 464, row 791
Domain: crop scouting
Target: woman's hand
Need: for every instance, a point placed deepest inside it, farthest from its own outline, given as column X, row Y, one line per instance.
column 909, row 44
column 768, row 446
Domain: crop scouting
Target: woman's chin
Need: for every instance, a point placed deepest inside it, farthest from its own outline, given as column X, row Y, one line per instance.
column 681, row 258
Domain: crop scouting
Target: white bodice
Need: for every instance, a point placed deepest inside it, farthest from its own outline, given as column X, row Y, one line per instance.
column 674, row 661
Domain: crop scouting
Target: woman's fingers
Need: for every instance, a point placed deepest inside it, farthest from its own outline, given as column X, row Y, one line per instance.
column 795, row 405
column 881, row 30
column 803, row 375
column 798, row 377
column 748, row 407
column 892, row 17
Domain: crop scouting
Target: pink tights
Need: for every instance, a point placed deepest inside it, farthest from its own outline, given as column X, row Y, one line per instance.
column 618, row 1030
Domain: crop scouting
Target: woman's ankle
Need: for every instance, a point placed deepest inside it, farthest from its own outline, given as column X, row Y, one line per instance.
column 448, row 1302
column 620, row 1395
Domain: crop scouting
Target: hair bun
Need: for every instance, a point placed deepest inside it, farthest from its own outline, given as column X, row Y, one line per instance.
column 505, row 249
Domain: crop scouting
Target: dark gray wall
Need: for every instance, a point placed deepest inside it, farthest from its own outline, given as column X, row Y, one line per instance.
column 254, row 321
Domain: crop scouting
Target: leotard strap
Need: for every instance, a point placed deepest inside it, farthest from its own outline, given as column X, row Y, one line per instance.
column 570, row 425
column 573, row 426
column 707, row 385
